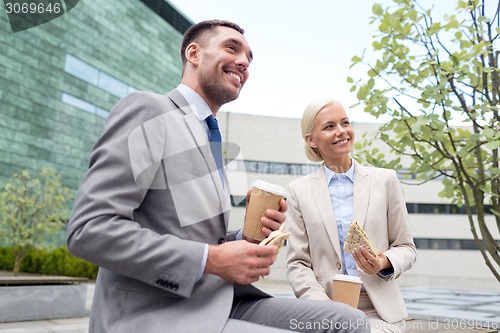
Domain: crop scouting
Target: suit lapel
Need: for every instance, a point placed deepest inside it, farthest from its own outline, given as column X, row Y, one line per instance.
column 325, row 209
column 361, row 193
column 193, row 123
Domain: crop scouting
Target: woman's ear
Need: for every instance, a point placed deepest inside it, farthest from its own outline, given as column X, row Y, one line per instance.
column 310, row 141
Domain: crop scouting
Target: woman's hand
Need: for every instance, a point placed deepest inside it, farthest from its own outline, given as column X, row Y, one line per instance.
column 368, row 262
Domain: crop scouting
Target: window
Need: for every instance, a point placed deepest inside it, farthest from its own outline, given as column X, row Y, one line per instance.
column 439, row 244
column 271, row 167
column 78, row 103
column 307, row 169
column 446, row 244
column 101, row 112
column 421, row 243
column 426, row 208
column 84, row 105
column 412, row 207
column 251, row 166
column 455, row 244
column 238, row 201
column 112, row 85
column 278, row 168
column 469, row 244
column 81, row 70
column 92, row 75
column 294, row 169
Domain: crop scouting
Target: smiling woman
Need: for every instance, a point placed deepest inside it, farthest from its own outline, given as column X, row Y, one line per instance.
column 329, row 135
column 323, row 206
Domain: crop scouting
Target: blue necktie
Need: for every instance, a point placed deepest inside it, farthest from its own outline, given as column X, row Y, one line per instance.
column 215, row 143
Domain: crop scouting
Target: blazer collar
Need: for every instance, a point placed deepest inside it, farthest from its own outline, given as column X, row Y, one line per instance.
column 325, row 209
column 193, row 124
column 361, row 192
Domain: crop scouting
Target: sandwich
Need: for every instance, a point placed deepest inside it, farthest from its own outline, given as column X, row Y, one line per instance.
column 357, row 237
column 277, row 237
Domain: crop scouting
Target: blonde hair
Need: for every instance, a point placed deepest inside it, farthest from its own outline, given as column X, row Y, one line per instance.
column 307, row 125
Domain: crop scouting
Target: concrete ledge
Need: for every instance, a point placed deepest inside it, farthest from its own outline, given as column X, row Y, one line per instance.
column 38, row 302
column 27, row 280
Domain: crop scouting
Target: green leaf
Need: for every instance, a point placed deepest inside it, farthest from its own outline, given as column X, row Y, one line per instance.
column 362, row 92
column 372, row 73
column 356, row 59
column 370, row 84
column 488, row 133
column 412, row 15
column 434, row 28
column 377, row 9
column 493, row 144
column 483, row 19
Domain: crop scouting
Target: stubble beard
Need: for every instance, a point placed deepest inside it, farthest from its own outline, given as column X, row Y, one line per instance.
column 216, row 91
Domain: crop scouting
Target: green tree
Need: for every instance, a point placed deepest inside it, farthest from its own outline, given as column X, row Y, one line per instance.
column 31, row 208
column 428, row 75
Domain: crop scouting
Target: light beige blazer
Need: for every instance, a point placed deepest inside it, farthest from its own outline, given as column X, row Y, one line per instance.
column 314, row 255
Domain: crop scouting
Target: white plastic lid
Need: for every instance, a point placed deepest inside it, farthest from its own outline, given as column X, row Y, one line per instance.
column 347, row 278
column 278, row 190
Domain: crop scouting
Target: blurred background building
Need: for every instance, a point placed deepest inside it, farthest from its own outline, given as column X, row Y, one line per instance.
column 59, row 81
column 272, row 150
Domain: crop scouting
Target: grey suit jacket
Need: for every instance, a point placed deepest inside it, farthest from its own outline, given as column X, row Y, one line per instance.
column 150, row 200
column 314, row 254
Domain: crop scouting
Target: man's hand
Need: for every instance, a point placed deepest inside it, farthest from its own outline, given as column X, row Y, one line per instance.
column 240, row 262
column 272, row 219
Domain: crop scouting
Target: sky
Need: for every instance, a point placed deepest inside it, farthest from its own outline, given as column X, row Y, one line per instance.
column 302, row 50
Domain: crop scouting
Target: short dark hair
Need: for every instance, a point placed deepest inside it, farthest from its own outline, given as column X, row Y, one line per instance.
column 198, row 29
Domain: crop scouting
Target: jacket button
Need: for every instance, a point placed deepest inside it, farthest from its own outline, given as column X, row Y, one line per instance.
column 339, row 266
column 221, row 240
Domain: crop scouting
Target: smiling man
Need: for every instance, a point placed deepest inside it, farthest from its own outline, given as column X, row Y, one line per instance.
column 153, row 210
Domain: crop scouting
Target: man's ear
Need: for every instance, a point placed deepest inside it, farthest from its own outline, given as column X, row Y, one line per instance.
column 192, row 53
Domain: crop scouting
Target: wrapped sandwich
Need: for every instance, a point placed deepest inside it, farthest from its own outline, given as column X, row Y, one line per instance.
column 277, row 237
column 357, row 237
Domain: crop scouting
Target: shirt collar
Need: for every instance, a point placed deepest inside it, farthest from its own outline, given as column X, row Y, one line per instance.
column 330, row 174
column 197, row 104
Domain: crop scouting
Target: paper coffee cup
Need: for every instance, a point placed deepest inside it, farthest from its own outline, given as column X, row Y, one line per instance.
column 346, row 289
column 263, row 196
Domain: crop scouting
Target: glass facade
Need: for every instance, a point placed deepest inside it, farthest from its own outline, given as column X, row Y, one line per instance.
column 60, row 79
